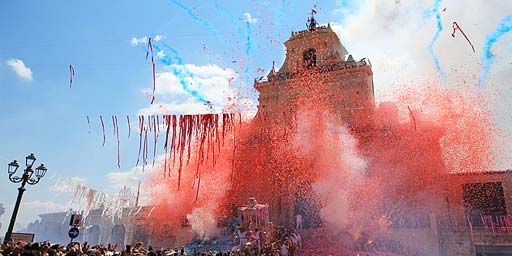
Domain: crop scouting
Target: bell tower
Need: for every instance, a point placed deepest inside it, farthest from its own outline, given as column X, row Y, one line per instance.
column 316, row 77
column 315, row 56
column 313, row 48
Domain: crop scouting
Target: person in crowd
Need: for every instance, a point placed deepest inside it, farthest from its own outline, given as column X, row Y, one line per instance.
column 127, row 251
column 150, row 251
column 299, row 222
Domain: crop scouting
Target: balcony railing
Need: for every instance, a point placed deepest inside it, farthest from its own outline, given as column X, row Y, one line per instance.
column 495, row 225
column 321, row 69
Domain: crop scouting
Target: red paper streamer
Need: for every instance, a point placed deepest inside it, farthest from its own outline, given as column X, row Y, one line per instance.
column 185, row 129
column 103, row 129
column 129, row 126
column 71, row 75
column 141, row 128
column 181, row 145
column 233, row 157
column 157, row 123
column 198, row 185
column 173, row 141
column 412, row 117
column 145, row 150
column 116, row 127
column 155, row 132
column 153, row 65
column 167, row 121
column 456, row 27
column 146, row 145
column 89, row 124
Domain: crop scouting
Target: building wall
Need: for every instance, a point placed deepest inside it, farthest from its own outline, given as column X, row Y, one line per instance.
column 421, row 239
column 347, row 92
column 457, row 236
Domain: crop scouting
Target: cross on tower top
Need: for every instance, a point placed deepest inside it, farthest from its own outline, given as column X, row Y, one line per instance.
column 311, row 21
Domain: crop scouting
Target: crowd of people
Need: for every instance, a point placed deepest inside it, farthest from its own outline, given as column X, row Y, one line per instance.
column 247, row 237
column 248, row 242
column 83, row 249
column 21, row 248
column 283, row 246
column 272, row 241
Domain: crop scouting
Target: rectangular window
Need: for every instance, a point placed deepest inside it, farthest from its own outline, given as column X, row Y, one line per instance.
column 411, row 222
column 484, row 199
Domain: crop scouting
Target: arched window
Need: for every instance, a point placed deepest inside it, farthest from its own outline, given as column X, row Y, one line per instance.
column 309, row 58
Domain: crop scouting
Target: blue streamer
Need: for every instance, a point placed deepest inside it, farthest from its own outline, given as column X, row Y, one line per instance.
column 247, row 36
column 181, row 72
column 248, row 49
column 487, row 58
column 197, row 18
column 234, row 22
column 439, row 24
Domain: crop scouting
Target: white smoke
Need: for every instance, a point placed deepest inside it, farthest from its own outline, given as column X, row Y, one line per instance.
column 339, row 167
column 204, row 222
column 337, row 180
column 400, row 33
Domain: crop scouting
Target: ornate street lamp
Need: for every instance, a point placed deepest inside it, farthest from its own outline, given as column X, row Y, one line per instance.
column 24, row 179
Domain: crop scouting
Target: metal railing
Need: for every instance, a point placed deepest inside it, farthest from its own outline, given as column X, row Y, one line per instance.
column 478, row 226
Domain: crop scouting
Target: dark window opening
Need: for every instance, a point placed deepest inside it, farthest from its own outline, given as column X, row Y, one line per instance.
column 484, row 199
column 309, row 58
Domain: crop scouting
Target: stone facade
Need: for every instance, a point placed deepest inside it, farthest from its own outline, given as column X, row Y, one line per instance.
column 129, row 228
column 316, row 58
column 316, row 72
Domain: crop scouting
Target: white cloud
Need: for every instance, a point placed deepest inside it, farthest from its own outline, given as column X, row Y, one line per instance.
column 395, row 36
column 160, row 54
column 134, row 41
column 157, row 38
column 130, row 179
column 21, row 70
column 248, row 18
column 175, row 90
column 400, row 35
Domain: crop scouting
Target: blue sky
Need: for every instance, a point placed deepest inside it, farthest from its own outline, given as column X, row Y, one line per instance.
column 41, row 114
column 45, row 116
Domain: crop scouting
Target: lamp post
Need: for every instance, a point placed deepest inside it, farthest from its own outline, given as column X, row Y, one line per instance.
column 24, row 179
